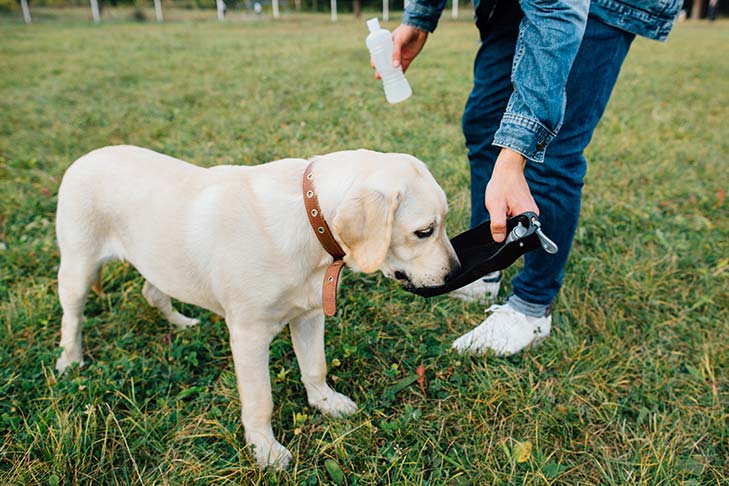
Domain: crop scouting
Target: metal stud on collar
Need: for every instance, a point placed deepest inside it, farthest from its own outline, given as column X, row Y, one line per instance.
column 309, row 194
column 314, row 213
column 321, row 229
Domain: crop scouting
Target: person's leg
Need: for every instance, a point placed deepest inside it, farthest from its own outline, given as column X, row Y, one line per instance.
column 481, row 118
column 557, row 183
column 488, row 98
column 556, row 186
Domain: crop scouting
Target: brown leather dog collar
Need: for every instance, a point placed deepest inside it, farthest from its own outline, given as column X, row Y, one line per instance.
column 327, row 241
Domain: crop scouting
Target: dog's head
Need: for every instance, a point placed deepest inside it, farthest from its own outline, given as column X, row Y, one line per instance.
column 392, row 218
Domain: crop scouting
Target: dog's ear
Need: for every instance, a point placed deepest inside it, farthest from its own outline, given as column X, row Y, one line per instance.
column 363, row 223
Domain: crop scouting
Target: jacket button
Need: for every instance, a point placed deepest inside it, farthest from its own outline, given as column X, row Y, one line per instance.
column 541, row 145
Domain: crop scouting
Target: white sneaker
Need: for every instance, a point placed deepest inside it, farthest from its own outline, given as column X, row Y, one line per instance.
column 484, row 290
column 506, row 331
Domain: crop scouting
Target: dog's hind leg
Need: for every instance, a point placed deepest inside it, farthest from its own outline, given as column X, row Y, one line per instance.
column 163, row 303
column 307, row 334
column 75, row 276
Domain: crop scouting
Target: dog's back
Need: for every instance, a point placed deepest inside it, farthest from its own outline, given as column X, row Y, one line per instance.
column 96, row 185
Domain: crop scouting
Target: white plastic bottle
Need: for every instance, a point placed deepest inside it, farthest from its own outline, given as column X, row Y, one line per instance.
column 379, row 42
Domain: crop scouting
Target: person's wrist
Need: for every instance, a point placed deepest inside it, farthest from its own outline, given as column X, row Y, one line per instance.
column 511, row 161
column 418, row 30
column 414, row 25
column 411, row 31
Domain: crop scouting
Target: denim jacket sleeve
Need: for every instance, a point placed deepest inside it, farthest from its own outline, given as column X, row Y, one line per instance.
column 423, row 14
column 549, row 36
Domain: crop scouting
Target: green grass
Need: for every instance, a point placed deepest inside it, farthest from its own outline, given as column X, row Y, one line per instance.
column 630, row 389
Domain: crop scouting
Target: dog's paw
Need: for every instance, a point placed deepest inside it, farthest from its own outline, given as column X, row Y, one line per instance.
column 334, row 404
column 68, row 359
column 271, row 454
column 183, row 322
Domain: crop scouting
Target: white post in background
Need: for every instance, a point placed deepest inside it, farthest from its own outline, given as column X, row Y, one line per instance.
column 385, row 10
column 275, row 9
column 334, row 10
column 26, row 11
column 454, row 9
column 221, row 9
column 158, row 10
column 95, row 11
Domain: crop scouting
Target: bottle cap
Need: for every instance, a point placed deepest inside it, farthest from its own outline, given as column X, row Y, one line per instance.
column 373, row 24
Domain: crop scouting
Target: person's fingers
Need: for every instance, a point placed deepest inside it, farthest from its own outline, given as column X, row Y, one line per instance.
column 498, row 215
column 525, row 202
column 498, row 228
column 372, row 65
column 396, row 57
column 405, row 64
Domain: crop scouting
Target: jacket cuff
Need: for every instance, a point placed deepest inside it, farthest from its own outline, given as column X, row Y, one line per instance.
column 523, row 135
column 421, row 16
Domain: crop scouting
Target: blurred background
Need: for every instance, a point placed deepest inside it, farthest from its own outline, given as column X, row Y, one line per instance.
column 48, row 10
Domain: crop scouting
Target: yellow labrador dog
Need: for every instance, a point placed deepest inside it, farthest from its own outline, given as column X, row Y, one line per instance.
column 236, row 240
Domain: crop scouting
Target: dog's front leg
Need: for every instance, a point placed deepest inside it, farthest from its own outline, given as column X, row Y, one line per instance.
column 249, row 343
column 307, row 334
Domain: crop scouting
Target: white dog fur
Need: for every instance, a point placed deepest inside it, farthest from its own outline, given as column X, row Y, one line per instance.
column 236, row 240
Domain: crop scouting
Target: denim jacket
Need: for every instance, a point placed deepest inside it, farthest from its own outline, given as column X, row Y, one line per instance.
column 649, row 18
column 549, row 36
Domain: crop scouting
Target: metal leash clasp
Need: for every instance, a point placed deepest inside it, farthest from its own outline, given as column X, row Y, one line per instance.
column 548, row 245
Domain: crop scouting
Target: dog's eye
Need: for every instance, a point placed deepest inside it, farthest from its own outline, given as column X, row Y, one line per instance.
column 426, row 233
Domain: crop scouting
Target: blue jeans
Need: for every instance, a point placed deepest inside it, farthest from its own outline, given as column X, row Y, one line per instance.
column 556, row 184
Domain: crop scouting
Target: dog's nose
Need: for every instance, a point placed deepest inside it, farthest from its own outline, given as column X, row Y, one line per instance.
column 455, row 270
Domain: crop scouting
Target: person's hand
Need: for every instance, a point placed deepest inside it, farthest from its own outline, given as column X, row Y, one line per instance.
column 407, row 42
column 507, row 193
